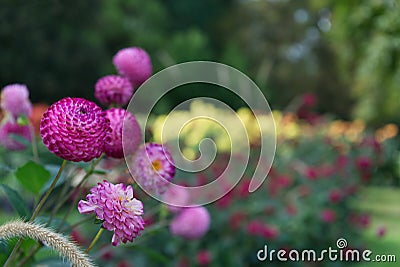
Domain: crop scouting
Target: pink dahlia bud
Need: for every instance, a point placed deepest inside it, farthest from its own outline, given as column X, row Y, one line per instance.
column 7, row 129
column 153, row 167
column 133, row 135
column 75, row 129
column 176, row 198
column 15, row 100
column 119, row 210
column 113, row 89
column 191, row 223
column 133, row 63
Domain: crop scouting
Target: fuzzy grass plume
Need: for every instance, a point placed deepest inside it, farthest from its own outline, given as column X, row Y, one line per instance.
column 58, row 242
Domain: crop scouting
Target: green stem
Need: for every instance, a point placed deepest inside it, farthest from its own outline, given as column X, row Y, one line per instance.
column 79, row 187
column 36, row 211
column 96, row 238
column 34, row 144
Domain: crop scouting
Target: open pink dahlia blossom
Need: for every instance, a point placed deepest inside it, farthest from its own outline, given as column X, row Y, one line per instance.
column 15, row 100
column 75, row 129
column 7, row 129
column 133, row 135
column 191, row 223
column 119, row 210
column 133, row 63
column 153, row 167
column 113, row 89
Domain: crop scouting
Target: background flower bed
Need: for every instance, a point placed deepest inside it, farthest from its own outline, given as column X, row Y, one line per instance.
column 309, row 200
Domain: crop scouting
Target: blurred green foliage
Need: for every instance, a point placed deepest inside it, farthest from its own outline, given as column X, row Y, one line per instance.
column 346, row 52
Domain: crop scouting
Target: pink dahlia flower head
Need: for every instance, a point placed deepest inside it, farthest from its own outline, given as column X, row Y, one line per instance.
column 15, row 100
column 153, row 168
column 133, row 63
column 113, row 89
column 7, row 129
column 176, row 198
column 120, row 118
column 75, row 129
column 117, row 208
column 191, row 223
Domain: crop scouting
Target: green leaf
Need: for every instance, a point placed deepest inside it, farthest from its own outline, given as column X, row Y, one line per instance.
column 32, row 176
column 23, row 120
column 16, row 201
column 20, row 139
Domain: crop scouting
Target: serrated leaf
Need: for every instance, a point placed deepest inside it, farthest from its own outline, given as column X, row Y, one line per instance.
column 32, row 176
column 16, row 201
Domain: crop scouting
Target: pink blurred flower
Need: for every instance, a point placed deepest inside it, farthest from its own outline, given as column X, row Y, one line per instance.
column 153, row 167
column 236, row 220
column 203, row 258
column 309, row 99
column 335, row 196
column 113, row 89
column 120, row 118
column 75, row 129
column 255, row 227
column 363, row 163
column 177, row 197
column 328, row 215
column 15, row 100
column 269, row 232
column 133, row 63
column 7, row 129
column 117, row 208
column 311, row 173
column 381, row 231
column 191, row 223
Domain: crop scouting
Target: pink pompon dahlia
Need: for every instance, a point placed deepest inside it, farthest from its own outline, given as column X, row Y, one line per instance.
column 15, row 100
column 176, row 198
column 113, row 89
column 133, row 135
column 75, row 129
column 7, row 129
column 153, row 167
column 191, row 223
column 117, row 208
column 133, row 63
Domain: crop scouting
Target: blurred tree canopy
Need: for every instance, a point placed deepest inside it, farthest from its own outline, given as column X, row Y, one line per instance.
column 346, row 52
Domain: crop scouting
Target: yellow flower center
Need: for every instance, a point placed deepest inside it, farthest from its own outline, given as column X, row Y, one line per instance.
column 156, row 165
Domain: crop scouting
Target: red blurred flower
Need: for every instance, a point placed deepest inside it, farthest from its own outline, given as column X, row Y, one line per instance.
column 311, row 173
column 236, row 220
column 335, row 196
column 381, row 231
column 328, row 215
column 269, row 232
column 255, row 227
column 309, row 99
column 203, row 257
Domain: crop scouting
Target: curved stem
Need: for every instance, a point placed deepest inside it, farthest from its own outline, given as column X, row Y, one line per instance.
column 96, row 238
column 36, row 211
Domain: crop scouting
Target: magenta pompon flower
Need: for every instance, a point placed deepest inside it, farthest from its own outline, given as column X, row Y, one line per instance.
column 191, row 223
column 7, row 129
column 113, row 89
column 176, row 198
column 117, row 208
column 15, row 100
column 153, row 167
column 75, row 129
column 133, row 63
column 120, row 118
